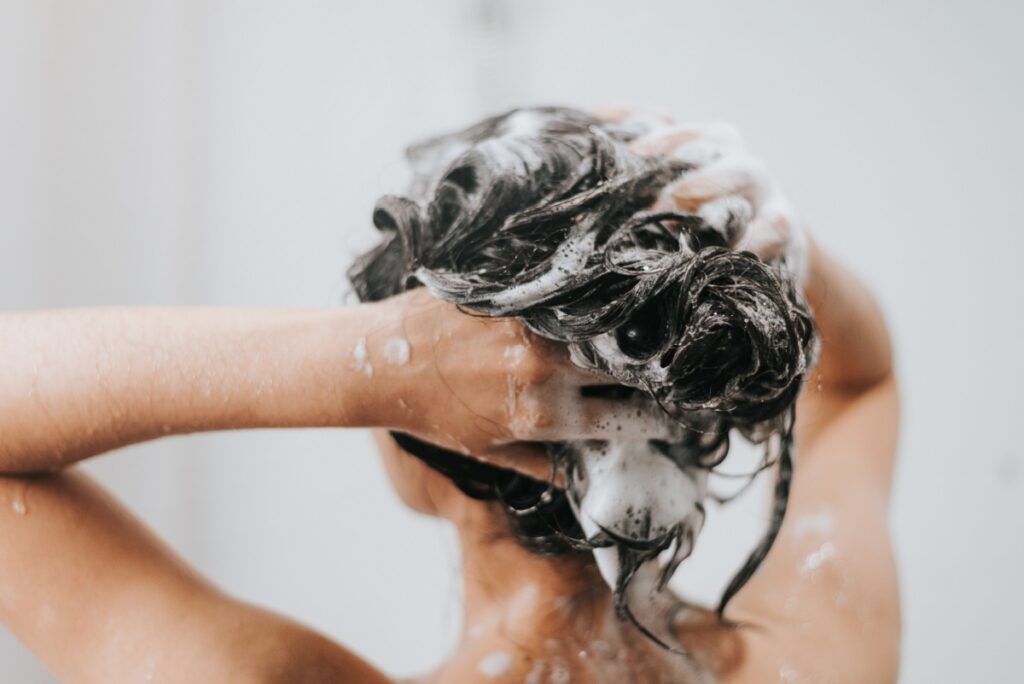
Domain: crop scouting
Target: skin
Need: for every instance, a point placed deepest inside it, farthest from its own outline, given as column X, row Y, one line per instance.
column 823, row 608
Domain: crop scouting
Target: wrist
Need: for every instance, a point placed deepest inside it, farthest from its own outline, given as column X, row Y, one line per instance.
column 311, row 369
column 352, row 385
column 383, row 362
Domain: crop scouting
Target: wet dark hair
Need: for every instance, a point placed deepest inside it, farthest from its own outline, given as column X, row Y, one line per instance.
column 543, row 214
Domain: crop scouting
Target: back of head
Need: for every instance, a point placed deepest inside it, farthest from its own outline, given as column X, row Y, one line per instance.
column 544, row 214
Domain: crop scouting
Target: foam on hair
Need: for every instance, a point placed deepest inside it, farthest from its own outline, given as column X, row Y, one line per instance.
column 543, row 214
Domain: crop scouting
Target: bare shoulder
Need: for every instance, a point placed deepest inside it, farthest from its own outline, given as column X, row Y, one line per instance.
column 98, row 597
column 825, row 605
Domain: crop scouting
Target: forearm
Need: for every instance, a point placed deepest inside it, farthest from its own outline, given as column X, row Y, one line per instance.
column 856, row 351
column 80, row 382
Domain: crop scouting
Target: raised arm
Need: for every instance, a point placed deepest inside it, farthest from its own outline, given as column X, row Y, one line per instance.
column 98, row 598
column 856, row 351
column 831, row 570
column 824, row 605
column 80, row 382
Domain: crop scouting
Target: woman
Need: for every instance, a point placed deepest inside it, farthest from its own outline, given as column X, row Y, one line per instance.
column 455, row 390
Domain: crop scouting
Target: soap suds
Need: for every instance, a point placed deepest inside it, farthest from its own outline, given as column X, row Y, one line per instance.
column 362, row 364
column 496, row 664
column 396, row 351
column 524, row 124
column 603, row 649
column 516, row 352
column 636, row 493
column 824, row 554
column 528, row 594
column 512, row 398
column 565, row 265
column 535, row 673
column 560, row 673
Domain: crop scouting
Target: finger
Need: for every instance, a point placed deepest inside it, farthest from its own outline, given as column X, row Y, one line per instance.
column 729, row 215
column 611, row 114
column 529, row 458
column 734, row 175
column 771, row 228
column 776, row 234
column 699, row 152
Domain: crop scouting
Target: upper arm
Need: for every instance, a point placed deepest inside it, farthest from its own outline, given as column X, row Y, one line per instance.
column 98, row 598
column 827, row 594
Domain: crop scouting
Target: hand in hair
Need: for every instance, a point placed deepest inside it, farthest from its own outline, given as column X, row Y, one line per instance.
column 544, row 214
column 726, row 187
column 726, row 176
column 478, row 384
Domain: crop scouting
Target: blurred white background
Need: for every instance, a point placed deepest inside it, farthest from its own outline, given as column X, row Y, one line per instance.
column 224, row 152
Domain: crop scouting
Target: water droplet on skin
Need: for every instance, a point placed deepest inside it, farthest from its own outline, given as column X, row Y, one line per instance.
column 515, row 352
column 18, row 506
column 495, row 664
column 560, row 674
column 362, row 364
column 824, row 554
column 603, row 649
column 396, row 351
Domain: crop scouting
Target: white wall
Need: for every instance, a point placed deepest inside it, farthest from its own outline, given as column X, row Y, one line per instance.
column 229, row 153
